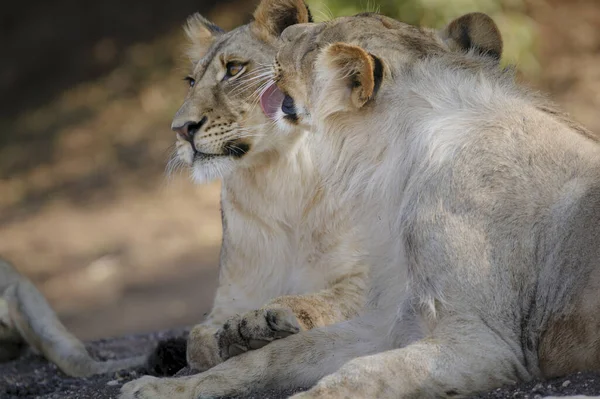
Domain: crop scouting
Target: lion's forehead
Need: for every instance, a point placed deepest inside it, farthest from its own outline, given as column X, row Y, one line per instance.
column 370, row 31
column 239, row 43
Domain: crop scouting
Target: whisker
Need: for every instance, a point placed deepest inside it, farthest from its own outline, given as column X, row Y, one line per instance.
column 249, row 83
column 260, row 67
column 252, row 75
column 251, row 78
column 261, row 89
column 322, row 15
column 174, row 165
column 256, row 71
column 331, row 15
column 259, row 93
column 170, row 149
column 246, row 135
column 264, row 65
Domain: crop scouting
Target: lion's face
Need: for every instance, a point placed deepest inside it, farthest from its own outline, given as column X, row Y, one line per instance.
column 339, row 67
column 220, row 125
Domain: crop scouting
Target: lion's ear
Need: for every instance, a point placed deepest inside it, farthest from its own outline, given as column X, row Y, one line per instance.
column 474, row 32
column 273, row 16
column 201, row 33
column 350, row 69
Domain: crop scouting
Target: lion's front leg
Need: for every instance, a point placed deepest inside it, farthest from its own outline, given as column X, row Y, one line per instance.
column 149, row 387
column 365, row 377
column 202, row 349
column 290, row 314
column 208, row 385
column 298, row 361
column 458, row 360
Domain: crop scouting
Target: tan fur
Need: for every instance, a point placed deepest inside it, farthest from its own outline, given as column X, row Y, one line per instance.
column 475, row 31
column 570, row 343
column 479, row 211
column 357, row 66
column 200, row 33
column 559, row 330
column 271, row 17
column 277, row 274
column 26, row 318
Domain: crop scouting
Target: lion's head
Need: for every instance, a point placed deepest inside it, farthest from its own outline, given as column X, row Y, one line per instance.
column 339, row 67
column 219, row 126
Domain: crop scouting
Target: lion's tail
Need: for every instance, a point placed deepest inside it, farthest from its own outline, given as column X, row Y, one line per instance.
column 34, row 319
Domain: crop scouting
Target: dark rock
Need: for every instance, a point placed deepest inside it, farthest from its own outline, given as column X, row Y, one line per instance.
column 168, row 357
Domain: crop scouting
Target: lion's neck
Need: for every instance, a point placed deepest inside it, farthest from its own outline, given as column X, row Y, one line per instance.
column 416, row 124
column 277, row 188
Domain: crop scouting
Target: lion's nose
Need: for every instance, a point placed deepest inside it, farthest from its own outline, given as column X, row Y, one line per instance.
column 189, row 128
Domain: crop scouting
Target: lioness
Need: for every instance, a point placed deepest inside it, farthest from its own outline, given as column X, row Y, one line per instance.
column 493, row 200
column 27, row 320
column 289, row 259
column 483, row 194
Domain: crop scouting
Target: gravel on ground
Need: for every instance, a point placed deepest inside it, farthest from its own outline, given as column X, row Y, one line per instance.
column 32, row 377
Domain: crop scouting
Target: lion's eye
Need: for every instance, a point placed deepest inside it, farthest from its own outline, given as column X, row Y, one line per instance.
column 191, row 81
column 287, row 106
column 233, row 69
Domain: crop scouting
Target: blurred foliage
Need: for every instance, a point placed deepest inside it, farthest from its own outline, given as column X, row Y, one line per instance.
column 518, row 30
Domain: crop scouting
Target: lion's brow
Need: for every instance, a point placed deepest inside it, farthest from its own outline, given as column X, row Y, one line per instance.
column 207, row 59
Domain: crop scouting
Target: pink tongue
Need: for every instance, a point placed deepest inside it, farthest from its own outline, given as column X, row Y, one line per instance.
column 271, row 100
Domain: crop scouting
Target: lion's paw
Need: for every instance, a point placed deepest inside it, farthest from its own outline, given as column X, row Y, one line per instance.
column 255, row 329
column 202, row 351
column 363, row 377
column 149, row 387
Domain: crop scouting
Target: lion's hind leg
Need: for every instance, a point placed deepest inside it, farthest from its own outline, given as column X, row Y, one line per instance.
column 571, row 341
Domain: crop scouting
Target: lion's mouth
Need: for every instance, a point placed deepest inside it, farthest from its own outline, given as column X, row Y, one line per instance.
column 204, row 155
column 271, row 100
column 236, row 149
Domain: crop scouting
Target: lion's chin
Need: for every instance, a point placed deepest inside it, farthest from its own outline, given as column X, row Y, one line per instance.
column 206, row 170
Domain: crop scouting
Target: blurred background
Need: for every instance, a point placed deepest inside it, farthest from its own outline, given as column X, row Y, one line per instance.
column 88, row 90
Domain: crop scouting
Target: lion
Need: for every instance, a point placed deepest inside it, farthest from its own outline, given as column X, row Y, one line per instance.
column 27, row 320
column 483, row 194
column 289, row 261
